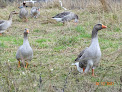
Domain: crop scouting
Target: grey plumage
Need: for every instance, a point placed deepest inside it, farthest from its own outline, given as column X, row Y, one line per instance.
column 81, row 53
column 23, row 14
column 90, row 57
column 66, row 16
column 25, row 52
column 35, row 11
column 61, row 15
column 4, row 24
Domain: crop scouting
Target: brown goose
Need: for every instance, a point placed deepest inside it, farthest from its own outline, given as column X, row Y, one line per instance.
column 90, row 57
column 66, row 16
column 4, row 24
column 25, row 52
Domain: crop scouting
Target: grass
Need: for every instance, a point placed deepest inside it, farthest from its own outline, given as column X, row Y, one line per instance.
column 55, row 47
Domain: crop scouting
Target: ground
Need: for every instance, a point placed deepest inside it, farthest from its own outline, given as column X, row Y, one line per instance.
column 55, row 48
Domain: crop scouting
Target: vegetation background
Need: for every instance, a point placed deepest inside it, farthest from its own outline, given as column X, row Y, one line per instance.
column 56, row 46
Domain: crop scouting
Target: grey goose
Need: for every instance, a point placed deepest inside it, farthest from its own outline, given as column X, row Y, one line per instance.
column 35, row 11
column 90, row 56
column 23, row 14
column 66, row 16
column 25, row 52
column 4, row 24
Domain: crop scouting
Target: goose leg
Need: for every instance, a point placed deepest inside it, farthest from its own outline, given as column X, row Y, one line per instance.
column 75, row 23
column 83, row 69
column 18, row 64
column 63, row 23
column 26, row 65
column 92, row 72
column 26, row 19
column 23, row 63
column 0, row 34
column 89, row 65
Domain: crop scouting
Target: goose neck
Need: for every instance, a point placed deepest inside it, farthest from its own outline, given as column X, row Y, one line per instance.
column 10, row 17
column 94, row 33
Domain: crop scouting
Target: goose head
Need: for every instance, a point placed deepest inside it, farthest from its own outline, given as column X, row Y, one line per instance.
column 14, row 12
column 96, row 28
column 24, row 5
column 10, row 16
column 99, row 26
column 26, row 31
column 76, row 18
column 38, row 9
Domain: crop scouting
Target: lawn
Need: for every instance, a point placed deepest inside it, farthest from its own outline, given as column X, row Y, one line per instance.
column 55, row 48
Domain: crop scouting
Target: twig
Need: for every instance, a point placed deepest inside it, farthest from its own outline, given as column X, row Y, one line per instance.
column 66, row 80
column 62, row 5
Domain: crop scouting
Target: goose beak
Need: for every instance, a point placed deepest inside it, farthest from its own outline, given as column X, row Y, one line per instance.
column 103, row 26
column 27, row 31
column 16, row 13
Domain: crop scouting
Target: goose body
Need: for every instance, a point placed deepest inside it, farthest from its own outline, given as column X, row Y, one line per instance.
column 90, row 57
column 23, row 14
column 66, row 16
column 35, row 12
column 25, row 52
column 5, row 24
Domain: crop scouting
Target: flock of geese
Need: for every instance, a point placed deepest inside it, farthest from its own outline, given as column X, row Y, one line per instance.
column 89, row 58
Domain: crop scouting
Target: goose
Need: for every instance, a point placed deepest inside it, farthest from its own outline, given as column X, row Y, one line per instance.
column 25, row 52
column 23, row 14
column 90, row 56
column 4, row 24
column 35, row 12
column 66, row 16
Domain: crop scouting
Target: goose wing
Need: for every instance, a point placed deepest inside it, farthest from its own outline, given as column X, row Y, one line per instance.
column 2, row 21
column 61, row 15
column 23, row 53
column 81, row 54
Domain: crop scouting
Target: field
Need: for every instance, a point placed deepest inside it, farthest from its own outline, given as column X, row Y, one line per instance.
column 55, row 48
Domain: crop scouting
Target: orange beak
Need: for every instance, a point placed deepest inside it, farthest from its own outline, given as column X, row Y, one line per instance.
column 103, row 26
column 16, row 13
column 27, row 31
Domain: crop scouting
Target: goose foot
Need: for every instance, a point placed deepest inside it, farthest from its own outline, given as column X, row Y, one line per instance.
column 75, row 24
column 83, row 69
column 0, row 34
column 26, row 20
column 26, row 65
column 93, row 73
column 19, row 64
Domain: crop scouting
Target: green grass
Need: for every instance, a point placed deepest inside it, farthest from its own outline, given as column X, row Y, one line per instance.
column 37, row 30
column 55, row 48
column 66, row 41
column 58, row 48
column 80, row 29
column 2, row 45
